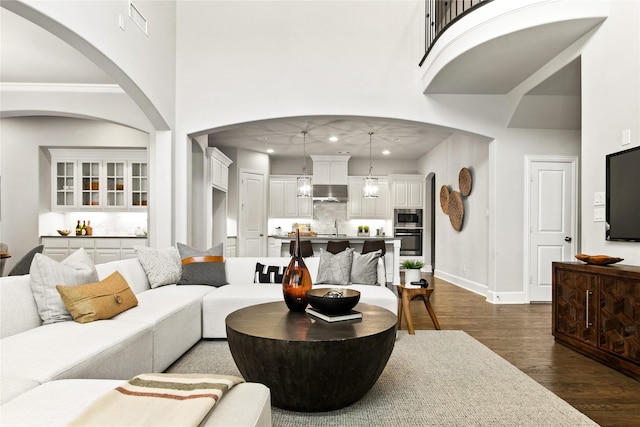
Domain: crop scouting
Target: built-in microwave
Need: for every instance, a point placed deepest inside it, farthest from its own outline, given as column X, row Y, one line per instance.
column 407, row 218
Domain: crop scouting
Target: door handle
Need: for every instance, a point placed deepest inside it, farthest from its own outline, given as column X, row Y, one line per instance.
column 567, row 239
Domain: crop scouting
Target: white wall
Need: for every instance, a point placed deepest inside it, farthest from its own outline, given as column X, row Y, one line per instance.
column 143, row 65
column 26, row 168
column 508, row 187
column 462, row 256
column 610, row 104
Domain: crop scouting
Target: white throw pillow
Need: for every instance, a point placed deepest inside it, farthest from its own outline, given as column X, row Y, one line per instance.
column 45, row 273
column 335, row 269
column 364, row 270
column 163, row 266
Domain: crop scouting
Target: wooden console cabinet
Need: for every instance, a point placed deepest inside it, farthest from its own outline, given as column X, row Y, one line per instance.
column 596, row 311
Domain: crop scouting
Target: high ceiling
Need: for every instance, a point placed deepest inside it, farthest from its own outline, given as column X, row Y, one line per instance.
column 30, row 54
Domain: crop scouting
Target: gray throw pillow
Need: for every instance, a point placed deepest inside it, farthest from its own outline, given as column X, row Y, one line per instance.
column 162, row 266
column 202, row 267
column 364, row 270
column 335, row 269
column 45, row 273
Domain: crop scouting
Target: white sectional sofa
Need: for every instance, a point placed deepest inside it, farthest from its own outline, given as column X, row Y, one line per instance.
column 48, row 362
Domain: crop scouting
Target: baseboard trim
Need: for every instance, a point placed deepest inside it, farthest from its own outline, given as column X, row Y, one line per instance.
column 506, row 297
column 461, row 282
column 493, row 297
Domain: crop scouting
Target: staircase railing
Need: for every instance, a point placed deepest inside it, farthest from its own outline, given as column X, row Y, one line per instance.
column 440, row 15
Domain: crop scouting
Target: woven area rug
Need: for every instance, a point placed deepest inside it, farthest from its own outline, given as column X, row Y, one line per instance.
column 433, row 378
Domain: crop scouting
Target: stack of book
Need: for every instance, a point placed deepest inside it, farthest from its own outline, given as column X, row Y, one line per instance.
column 350, row 315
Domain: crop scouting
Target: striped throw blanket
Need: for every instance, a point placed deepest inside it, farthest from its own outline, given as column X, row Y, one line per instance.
column 158, row 400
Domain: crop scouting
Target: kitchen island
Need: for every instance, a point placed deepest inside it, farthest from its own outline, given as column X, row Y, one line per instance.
column 279, row 246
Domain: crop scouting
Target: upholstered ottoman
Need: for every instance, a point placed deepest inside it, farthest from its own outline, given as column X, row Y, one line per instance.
column 57, row 403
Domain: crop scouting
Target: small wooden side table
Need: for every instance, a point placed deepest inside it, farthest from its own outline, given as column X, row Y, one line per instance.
column 406, row 295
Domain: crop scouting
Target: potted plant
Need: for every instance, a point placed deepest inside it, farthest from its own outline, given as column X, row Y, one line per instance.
column 412, row 270
column 366, row 230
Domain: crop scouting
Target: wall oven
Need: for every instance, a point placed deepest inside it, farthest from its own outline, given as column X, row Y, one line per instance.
column 410, row 241
column 407, row 218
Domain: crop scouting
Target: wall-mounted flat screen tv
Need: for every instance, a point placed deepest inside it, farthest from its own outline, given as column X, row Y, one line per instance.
column 623, row 195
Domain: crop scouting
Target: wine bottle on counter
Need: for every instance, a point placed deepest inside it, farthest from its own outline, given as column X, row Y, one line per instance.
column 83, row 230
column 89, row 229
column 78, row 228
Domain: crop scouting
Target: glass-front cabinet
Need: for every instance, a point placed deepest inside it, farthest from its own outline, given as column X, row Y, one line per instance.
column 139, row 184
column 115, row 181
column 64, row 184
column 90, row 178
column 97, row 179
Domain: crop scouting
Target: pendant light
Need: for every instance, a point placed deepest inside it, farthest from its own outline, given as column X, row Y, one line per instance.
column 304, row 180
column 370, row 189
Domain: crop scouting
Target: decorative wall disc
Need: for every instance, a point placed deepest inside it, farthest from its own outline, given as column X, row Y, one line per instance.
column 464, row 181
column 456, row 210
column 444, row 199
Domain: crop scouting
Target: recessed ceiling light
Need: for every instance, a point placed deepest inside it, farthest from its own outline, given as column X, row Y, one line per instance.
column 262, row 138
column 386, row 152
column 333, row 138
column 269, row 150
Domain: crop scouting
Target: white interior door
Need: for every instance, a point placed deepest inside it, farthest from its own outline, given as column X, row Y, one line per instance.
column 252, row 241
column 552, row 221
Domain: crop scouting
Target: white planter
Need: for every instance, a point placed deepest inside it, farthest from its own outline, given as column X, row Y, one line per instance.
column 411, row 275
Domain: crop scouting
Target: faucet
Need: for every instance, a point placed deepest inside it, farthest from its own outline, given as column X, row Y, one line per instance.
column 336, row 227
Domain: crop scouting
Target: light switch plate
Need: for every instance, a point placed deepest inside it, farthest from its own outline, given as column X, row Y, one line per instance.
column 598, row 198
column 598, row 215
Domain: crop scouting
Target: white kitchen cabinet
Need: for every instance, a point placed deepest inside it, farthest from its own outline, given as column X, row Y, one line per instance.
column 374, row 208
column 330, row 170
column 100, row 249
column 407, row 191
column 139, row 184
column 231, row 250
column 219, row 169
column 284, row 201
column 93, row 179
column 56, row 254
column 275, row 247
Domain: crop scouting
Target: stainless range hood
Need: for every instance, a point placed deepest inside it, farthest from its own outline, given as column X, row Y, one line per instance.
column 330, row 193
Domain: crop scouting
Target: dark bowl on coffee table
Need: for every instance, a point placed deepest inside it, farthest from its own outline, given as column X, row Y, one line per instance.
column 333, row 300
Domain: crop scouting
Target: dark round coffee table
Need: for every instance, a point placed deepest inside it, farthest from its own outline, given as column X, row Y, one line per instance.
column 308, row 364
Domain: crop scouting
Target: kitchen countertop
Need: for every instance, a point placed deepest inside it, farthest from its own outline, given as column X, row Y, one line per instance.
column 324, row 238
column 122, row 236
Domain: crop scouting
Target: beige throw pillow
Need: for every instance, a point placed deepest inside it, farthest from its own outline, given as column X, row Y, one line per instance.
column 45, row 273
column 162, row 266
column 98, row 301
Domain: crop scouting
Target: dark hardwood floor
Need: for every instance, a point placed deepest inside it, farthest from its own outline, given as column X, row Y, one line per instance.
column 522, row 335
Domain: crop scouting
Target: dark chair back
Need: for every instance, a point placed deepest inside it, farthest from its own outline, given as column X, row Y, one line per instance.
column 337, row 246
column 372, row 245
column 24, row 265
column 306, row 249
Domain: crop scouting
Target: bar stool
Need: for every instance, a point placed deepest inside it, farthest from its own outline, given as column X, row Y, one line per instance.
column 306, row 249
column 337, row 246
column 372, row 245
